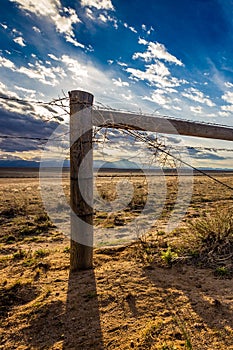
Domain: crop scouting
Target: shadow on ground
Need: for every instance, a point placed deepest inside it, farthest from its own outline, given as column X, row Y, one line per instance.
column 74, row 325
column 82, row 318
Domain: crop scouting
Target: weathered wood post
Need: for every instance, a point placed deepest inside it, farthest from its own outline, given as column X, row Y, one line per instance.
column 81, row 253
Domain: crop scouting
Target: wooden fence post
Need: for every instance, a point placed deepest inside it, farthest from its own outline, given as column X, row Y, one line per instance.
column 81, row 255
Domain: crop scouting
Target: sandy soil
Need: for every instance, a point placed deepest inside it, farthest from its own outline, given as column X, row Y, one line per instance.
column 123, row 303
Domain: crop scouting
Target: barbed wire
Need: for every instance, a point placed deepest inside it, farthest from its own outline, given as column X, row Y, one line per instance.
column 59, row 102
column 19, row 100
column 100, row 106
column 151, row 145
column 32, row 138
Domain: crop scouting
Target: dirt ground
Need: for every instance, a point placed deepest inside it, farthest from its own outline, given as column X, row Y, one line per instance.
column 124, row 302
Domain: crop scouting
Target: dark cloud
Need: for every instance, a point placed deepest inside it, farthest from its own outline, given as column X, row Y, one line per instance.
column 201, row 154
column 15, row 124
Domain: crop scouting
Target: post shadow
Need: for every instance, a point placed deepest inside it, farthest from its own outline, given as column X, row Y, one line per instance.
column 82, row 329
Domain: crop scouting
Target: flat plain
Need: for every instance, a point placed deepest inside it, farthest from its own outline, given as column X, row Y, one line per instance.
column 163, row 290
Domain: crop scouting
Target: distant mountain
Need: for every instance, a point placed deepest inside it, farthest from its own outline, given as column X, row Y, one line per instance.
column 19, row 164
column 119, row 164
column 97, row 164
column 27, row 164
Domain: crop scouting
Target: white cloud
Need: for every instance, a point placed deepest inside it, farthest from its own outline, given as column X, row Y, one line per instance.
column 177, row 108
column 155, row 51
column 158, row 69
column 158, row 96
column 122, row 64
column 98, row 4
column 89, row 13
column 4, row 62
column 228, row 108
column 4, row 91
column 224, row 114
column 62, row 17
column 30, row 93
column 78, row 70
column 3, row 25
column 144, row 27
column 128, row 97
column 64, row 23
column 97, row 10
column 46, row 75
column 36, row 29
column 20, row 41
column 119, row 82
column 156, row 74
column 53, row 57
column 17, row 32
column 38, row 71
column 196, row 110
column 130, row 28
column 103, row 18
column 228, row 84
column 210, row 115
column 142, row 41
column 148, row 31
column 228, row 97
column 74, row 41
column 197, row 96
column 27, row 91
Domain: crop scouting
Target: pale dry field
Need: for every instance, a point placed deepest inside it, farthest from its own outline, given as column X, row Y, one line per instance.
column 135, row 297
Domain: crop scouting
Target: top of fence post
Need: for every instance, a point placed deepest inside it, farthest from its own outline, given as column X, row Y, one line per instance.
column 79, row 100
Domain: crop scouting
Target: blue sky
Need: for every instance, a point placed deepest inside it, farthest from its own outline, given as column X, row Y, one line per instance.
column 166, row 57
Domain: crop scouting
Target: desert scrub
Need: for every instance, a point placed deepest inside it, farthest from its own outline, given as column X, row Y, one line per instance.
column 41, row 253
column 214, row 238
column 144, row 250
column 30, row 227
column 20, row 254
